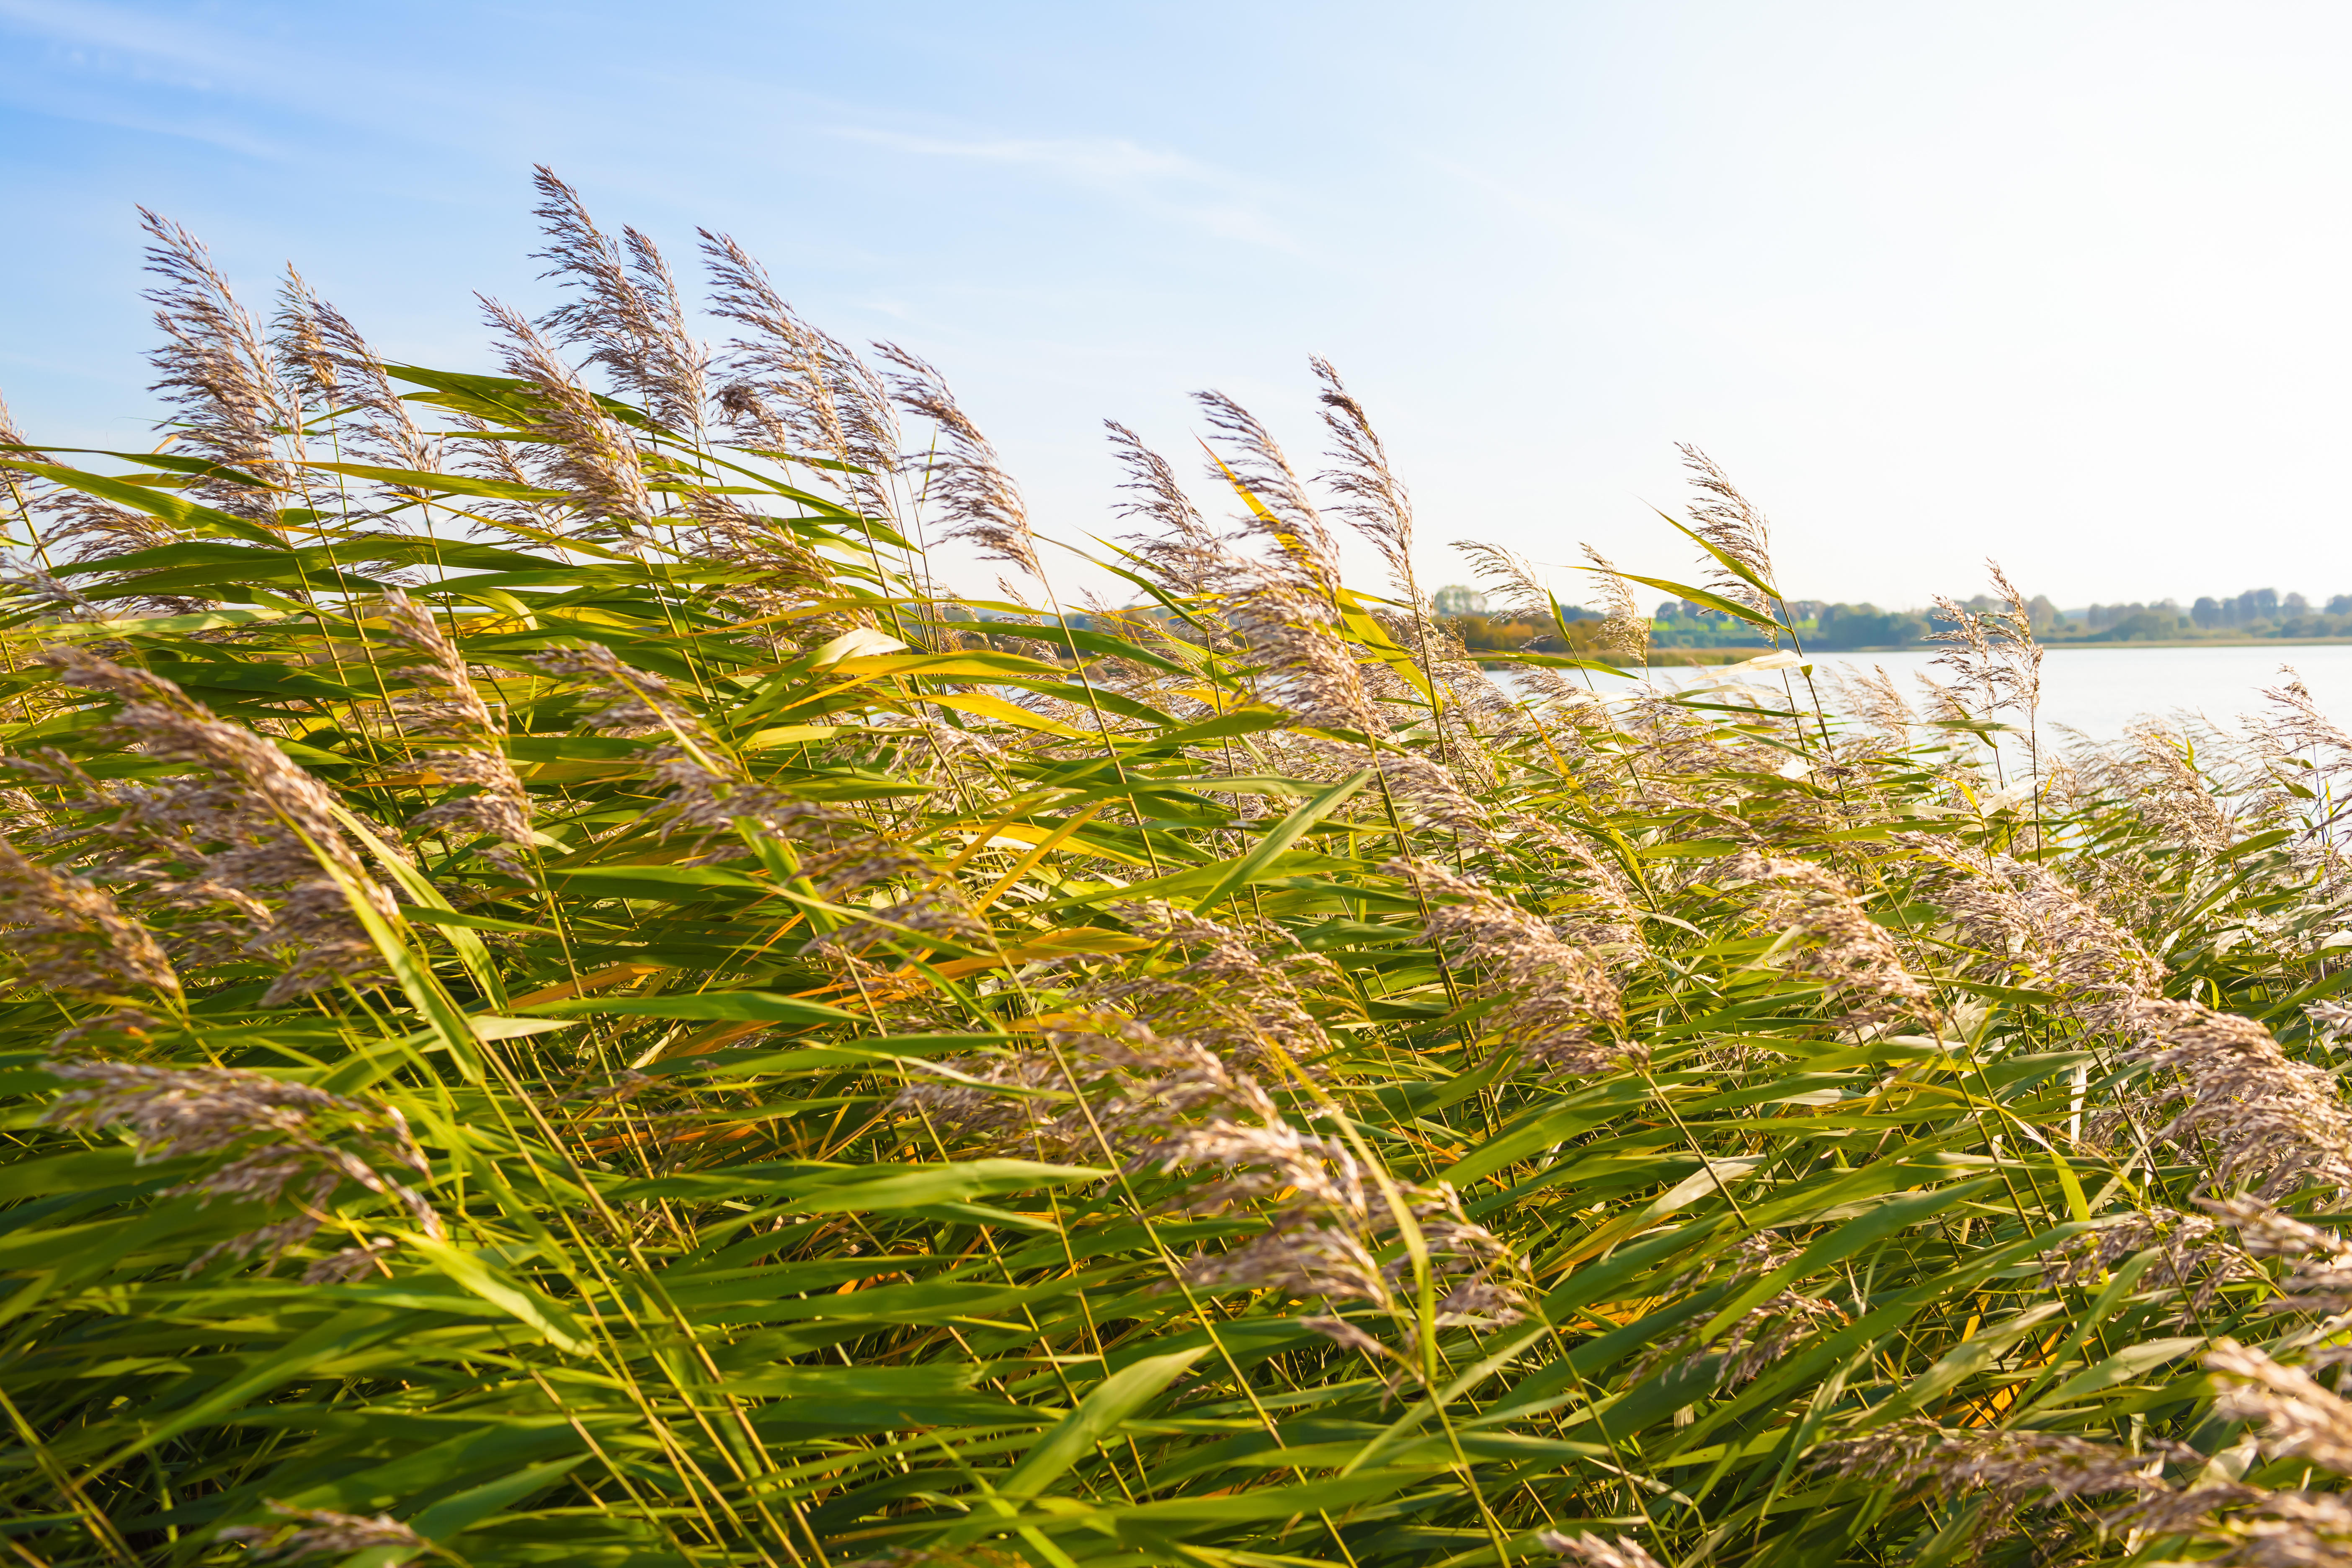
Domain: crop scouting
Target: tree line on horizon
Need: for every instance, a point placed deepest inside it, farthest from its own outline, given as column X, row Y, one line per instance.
column 1827, row 626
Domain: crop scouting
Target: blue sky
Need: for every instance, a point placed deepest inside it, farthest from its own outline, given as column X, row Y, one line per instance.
column 2060, row 283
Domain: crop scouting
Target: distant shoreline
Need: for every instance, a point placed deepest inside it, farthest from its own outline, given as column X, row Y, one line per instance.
column 2133, row 642
column 1701, row 658
column 2212, row 642
column 1732, row 656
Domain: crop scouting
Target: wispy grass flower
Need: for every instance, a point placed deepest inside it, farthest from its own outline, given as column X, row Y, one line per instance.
column 800, row 390
column 2194, row 1255
column 1728, row 519
column 1371, row 497
column 1175, row 541
column 265, row 841
column 2000, row 1471
column 2300, row 1418
column 291, row 1140
column 1235, row 993
column 625, row 307
column 963, row 473
column 1589, row 1550
column 1873, row 697
column 215, row 368
column 1992, row 654
column 1559, row 1005
column 338, row 374
column 1625, row 628
column 319, row 1532
column 1825, row 933
column 70, row 935
column 1514, row 586
column 499, row 806
column 1304, row 665
column 1278, row 508
column 584, row 450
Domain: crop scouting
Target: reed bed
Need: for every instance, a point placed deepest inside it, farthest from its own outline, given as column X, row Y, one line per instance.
column 571, row 1002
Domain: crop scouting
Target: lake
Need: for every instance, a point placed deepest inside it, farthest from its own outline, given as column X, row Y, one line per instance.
column 2098, row 690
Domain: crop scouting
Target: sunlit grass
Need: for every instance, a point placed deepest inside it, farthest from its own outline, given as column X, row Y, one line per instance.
column 570, row 1007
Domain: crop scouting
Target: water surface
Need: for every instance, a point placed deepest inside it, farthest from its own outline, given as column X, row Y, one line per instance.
column 2098, row 690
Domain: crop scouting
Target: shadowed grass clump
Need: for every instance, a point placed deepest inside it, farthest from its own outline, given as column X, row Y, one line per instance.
column 570, row 1003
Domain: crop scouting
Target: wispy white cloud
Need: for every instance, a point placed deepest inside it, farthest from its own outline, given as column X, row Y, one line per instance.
column 210, row 129
column 132, row 71
column 111, row 38
column 1165, row 184
column 211, row 76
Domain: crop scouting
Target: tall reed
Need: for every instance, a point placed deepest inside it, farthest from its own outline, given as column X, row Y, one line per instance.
column 570, row 1003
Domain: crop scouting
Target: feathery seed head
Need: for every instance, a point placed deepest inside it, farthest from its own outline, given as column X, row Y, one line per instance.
column 1625, row 629
column 296, row 1138
column 341, row 1268
column 1428, row 794
column 71, row 935
column 1306, row 665
column 1276, row 506
column 1371, row 497
column 498, row 806
column 2192, row 1255
column 638, row 701
column 1562, row 1006
column 1732, row 523
column 216, row 369
column 266, row 842
column 2009, row 1469
column 1830, row 937
column 1138, row 1087
column 335, row 371
column 587, row 453
column 1991, row 653
column 2320, row 1278
column 1180, row 547
column 320, row 1531
column 1874, row 698
column 963, row 473
column 462, row 711
column 626, row 310
column 2299, row 1417
column 2271, row 1120
column 1515, row 586
column 1589, row 1551
column 800, row 391
column 1235, row 993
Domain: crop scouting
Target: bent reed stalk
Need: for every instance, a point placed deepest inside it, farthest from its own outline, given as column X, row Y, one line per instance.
column 569, row 1004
